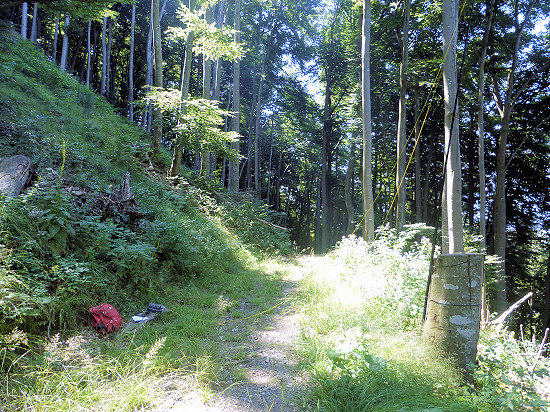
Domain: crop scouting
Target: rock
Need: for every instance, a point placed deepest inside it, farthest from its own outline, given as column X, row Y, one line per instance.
column 15, row 173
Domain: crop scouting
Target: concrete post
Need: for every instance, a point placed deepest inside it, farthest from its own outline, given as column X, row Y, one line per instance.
column 454, row 307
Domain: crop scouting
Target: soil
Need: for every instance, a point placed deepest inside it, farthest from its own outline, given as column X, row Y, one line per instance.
column 262, row 362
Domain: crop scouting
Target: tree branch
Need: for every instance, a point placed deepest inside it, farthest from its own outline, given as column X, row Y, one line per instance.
column 496, row 94
column 500, row 320
column 523, row 141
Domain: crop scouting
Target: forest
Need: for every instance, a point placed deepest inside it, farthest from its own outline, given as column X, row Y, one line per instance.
column 304, row 127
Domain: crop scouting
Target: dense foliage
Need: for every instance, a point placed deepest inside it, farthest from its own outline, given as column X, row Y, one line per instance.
column 362, row 345
column 67, row 242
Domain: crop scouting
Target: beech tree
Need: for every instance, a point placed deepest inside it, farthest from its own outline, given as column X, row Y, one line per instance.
column 453, row 179
column 368, row 206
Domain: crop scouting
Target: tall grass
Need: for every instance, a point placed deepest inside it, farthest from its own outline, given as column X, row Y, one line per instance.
column 361, row 337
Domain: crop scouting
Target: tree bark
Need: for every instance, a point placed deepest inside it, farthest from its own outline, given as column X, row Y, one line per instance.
column 326, row 213
column 505, row 106
column 24, row 19
column 55, row 38
column 482, row 54
column 417, row 159
column 158, row 81
column 131, row 67
column 348, row 191
column 400, row 182
column 65, row 48
column 184, row 95
column 235, row 121
column 88, row 54
column 546, row 300
column 452, row 145
column 103, row 55
column 108, row 58
column 206, row 94
column 368, row 207
column 34, row 27
column 427, row 179
column 257, row 181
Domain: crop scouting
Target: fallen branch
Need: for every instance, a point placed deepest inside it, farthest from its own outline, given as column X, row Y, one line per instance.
column 500, row 320
column 271, row 224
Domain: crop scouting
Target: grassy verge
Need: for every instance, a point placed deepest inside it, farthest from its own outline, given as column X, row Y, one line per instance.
column 361, row 339
column 179, row 352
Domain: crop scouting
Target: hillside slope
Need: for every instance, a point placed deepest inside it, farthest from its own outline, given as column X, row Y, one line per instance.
column 68, row 241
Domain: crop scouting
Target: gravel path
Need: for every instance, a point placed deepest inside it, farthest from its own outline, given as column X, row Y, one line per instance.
column 264, row 360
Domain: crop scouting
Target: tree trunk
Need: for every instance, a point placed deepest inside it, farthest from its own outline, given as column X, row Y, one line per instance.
column 427, row 179
column 24, row 19
column 400, row 182
column 131, row 67
column 158, row 81
column 325, row 172
column 108, row 59
column 184, row 95
column 257, row 182
column 65, row 48
column 546, row 300
column 235, row 121
column 104, row 55
column 269, row 165
column 75, row 57
column 505, row 106
column 368, row 203
column 452, row 145
column 206, row 94
column 34, row 27
column 417, row 160
column 482, row 54
column 88, row 54
column 55, row 38
column 253, row 105
column 348, row 191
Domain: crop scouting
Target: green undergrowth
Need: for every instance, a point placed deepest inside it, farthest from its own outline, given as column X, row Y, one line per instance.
column 362, row 345
column 175, row 354
column 68, row 243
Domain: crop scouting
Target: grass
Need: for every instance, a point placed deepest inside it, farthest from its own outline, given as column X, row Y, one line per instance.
column 180, row 351
column 361, row 339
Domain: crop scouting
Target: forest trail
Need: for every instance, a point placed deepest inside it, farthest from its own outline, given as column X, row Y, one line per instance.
column 264, row 359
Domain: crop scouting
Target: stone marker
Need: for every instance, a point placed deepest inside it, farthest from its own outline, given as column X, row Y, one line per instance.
column 454, row 308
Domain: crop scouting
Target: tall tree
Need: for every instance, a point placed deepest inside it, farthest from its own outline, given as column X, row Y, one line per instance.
column 34, row 27
column 24, row 19
column 206, row 92
column 65, row 47
column 453, row 179
column 400, row 182
column 88, row 54
column 368, row 209
column 482, row 54
column 236, row 119
column 158, row 81
column 131, row 66
column 184, row 94
column 104, row 56
column 506, row 94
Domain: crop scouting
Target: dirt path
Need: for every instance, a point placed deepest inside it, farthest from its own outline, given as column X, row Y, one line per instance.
column 262, row 359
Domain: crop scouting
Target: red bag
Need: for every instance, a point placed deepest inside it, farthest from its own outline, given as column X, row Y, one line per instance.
column 106, row 318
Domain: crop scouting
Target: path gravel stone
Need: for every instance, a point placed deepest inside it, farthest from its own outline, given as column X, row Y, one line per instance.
column 264, row 358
